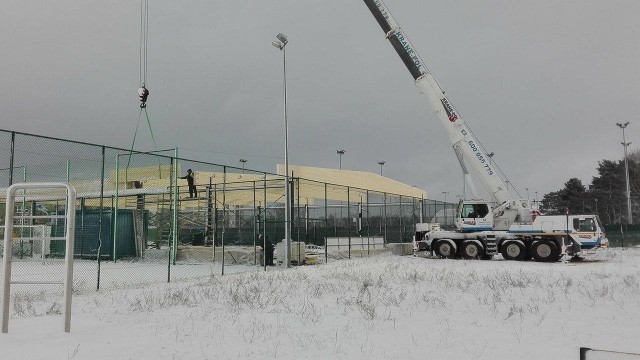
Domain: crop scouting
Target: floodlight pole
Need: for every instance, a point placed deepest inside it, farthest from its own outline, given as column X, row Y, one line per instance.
column 626, row 171
column 281, row 43
column 340, row 153
column 445, row 206
column 381, row 163
column 243, row 161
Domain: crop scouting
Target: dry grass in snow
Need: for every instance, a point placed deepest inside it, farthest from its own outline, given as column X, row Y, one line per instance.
column 384, row 307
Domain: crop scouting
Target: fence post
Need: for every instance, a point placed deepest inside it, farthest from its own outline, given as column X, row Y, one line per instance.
column 255, row 247
column 298, row 220
column 82, row 210
column 11, row 159
column 215, row 219
column 264, row 223
column 384, row 217
column 326, row 223
column 176, row 207
column 169, row 241
column 421, row 208
column 368, row 227
column 224, row 210
column 349, row 220
column 306, row 222
column 208, row 217
column 413, row 211
column 115, row 207
column 401, row 228
column 100, row 217
column 24, row 206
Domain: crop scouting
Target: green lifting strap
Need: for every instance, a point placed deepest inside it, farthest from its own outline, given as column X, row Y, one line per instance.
column 150, row 130
column 135, row 134
column 154, row 141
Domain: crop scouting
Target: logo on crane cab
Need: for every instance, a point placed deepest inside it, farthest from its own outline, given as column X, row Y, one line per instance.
column 449, row 109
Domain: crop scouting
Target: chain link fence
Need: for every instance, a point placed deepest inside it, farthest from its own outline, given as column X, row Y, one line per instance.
column 140, row 219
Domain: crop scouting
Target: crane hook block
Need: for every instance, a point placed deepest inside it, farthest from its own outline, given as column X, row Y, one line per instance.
column 143, row 93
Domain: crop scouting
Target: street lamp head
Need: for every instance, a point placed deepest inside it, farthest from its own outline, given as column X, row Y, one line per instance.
column 283, row 38
column 622, row 126
column 381, row 163
column 277, row 44
column 243, row 161
column 340, row 152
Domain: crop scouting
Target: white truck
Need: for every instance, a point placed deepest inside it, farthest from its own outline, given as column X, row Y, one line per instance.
column 503, row 224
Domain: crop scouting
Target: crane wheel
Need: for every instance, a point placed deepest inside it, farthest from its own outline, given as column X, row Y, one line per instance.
column 445, row 249
column 471, row 250
column 545, row 251
column 513, row 250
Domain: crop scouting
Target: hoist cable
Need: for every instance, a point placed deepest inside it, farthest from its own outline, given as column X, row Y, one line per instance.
column 143, row 58
column 146, row 38
column 140, row 56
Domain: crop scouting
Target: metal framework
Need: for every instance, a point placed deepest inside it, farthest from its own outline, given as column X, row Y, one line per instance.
column 70, row 218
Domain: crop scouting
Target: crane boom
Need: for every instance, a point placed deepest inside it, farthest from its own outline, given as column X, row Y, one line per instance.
column 464, row 143
column 514, row 228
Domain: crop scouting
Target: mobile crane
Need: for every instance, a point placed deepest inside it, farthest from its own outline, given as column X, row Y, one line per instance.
column 502, row 224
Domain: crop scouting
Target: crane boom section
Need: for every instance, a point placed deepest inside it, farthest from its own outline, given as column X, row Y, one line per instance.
column 459, row 134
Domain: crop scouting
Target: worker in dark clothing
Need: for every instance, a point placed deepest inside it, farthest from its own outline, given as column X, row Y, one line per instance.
column 190, row 179
column 268, row 250
column 143, row 93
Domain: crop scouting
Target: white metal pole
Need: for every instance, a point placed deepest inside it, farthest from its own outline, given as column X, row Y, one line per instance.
column 287, row 207
column 70, row 233
column 626, row 173
column 68, row 279
column 281, row 45
column 8, row 246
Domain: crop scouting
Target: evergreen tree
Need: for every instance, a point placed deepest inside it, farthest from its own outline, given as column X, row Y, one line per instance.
column 606, row 195
column 571, row 197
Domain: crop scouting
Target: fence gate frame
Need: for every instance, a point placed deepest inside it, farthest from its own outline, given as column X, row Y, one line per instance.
column 70, row 217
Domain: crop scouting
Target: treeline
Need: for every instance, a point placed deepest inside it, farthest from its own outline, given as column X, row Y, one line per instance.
column 605, row 196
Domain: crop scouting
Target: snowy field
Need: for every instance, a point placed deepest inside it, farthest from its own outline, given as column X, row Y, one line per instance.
column 384, row 307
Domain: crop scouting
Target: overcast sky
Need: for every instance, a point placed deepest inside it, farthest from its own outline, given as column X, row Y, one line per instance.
column 542, row 83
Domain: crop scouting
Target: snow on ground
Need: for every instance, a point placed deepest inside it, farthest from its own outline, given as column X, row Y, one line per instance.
column 384, row 307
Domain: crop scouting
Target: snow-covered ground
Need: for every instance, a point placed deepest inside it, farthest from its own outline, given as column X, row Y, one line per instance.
column 384, row 307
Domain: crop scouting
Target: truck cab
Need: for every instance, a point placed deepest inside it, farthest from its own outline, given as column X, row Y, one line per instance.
column 585, row 231
column 474, row 215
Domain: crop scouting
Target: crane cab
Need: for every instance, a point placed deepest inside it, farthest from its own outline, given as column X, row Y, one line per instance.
column 474, row 215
